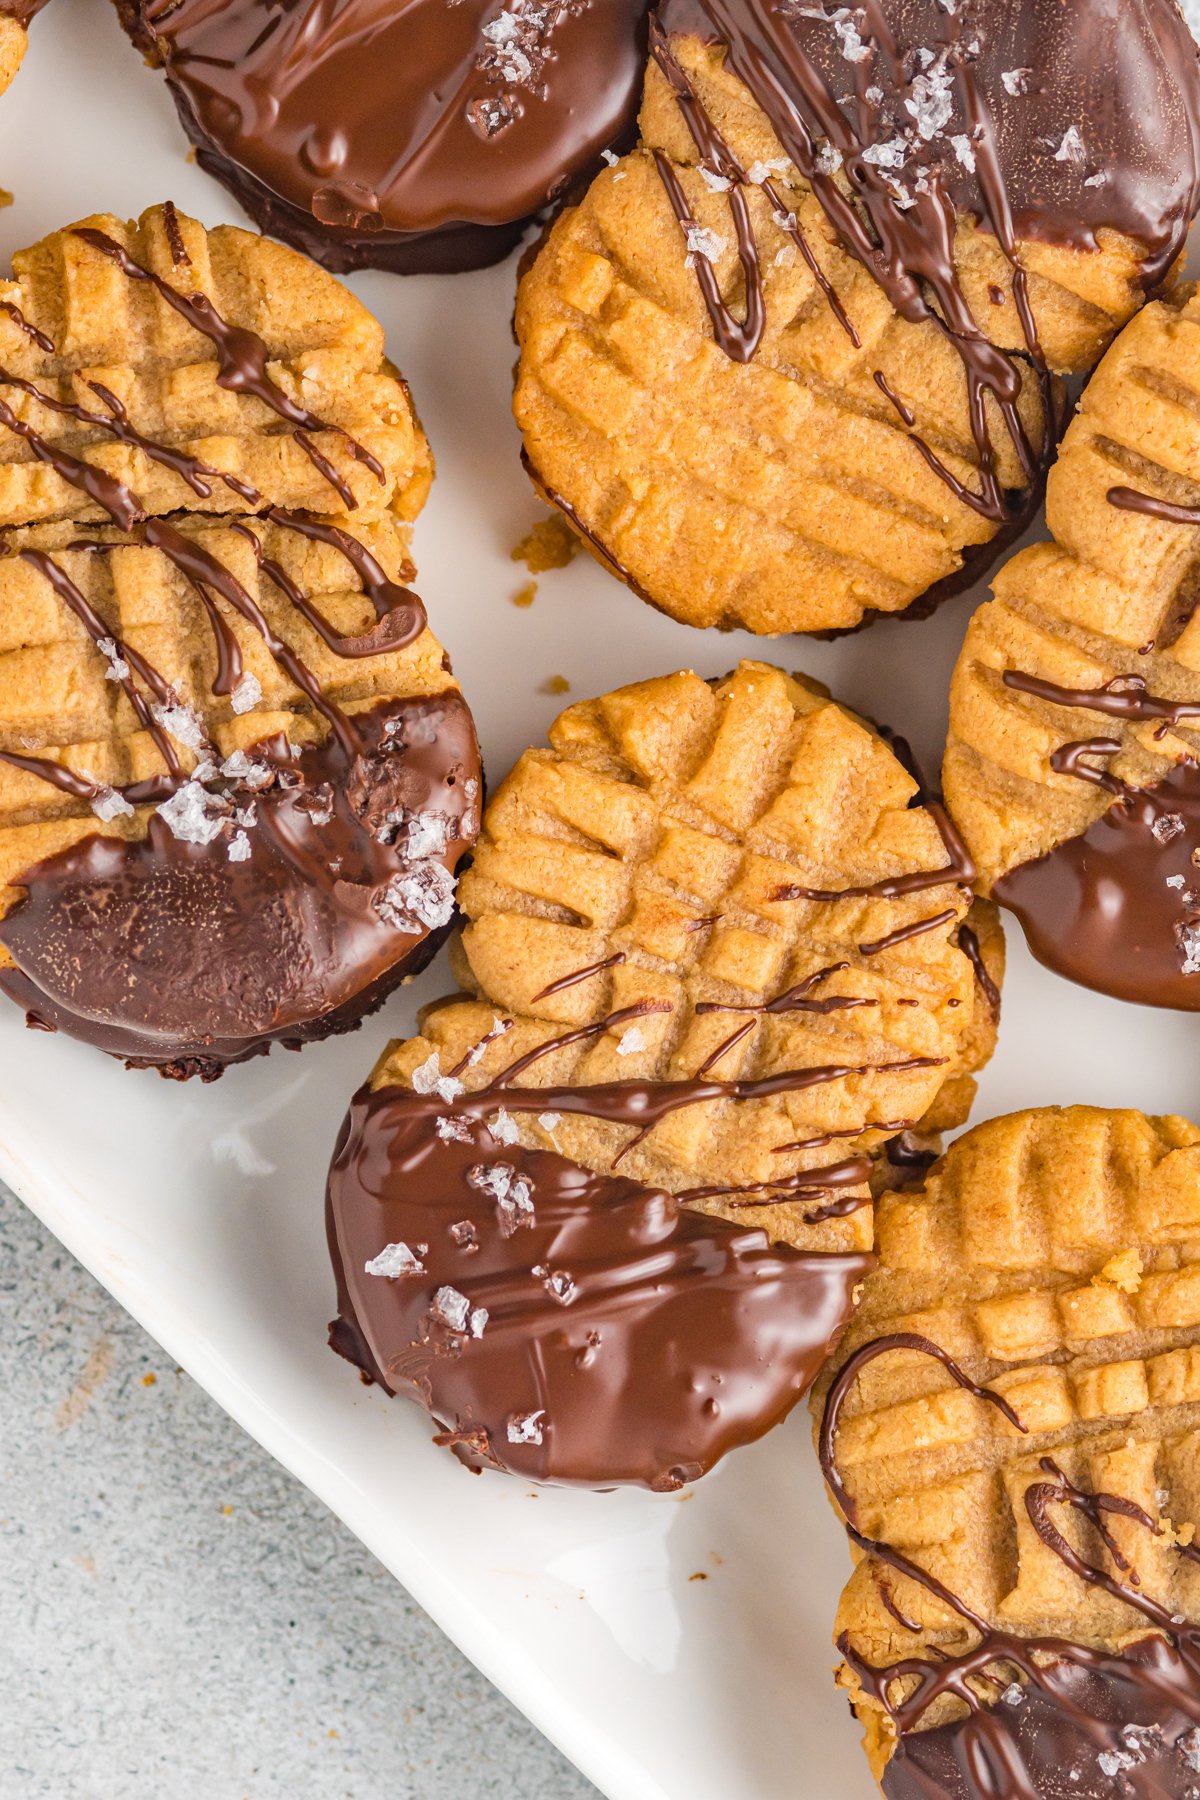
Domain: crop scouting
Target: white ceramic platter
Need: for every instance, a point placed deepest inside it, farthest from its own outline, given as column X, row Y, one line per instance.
column 201, row 1208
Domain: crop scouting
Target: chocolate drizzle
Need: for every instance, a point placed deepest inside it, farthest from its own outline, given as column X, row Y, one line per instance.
column 297, row 863
column 575, row 1328
column 421, row 137
column 960, row 870
column 1082, row 1721
column 928, row 113
column 1117, row 907
column 241, row 361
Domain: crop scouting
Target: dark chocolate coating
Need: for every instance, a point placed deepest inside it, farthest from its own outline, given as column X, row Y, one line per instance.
column 1124, row 73
column 168, row 954
column 1082, row 1720
column 644, row 1340
column 1049, row 1745
column 1098, row 909
column 372, row 135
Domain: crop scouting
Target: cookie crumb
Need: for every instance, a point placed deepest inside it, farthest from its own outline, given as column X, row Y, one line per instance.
column 555, row 684
column 6, row 198
column 550, row 544
column 526, row 594
column 1122, row 1271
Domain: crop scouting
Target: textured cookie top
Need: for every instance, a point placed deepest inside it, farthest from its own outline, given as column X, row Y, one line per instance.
column 717, row 953
column 1052, row 1256
column 125, row 344
column 753, row 411
column 213, row 731
column 1077, row 684
column 714, row 853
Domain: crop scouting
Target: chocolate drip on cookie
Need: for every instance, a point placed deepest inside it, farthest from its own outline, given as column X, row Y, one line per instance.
column 1045, row 1717
column 325, row 873
column 564, row 1325
column 1118, row 907
column 312, row 901
column 423, row 137
column 905, row 115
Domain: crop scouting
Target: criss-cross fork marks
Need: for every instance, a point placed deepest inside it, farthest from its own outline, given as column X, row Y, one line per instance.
column 785, row 491
column 636, row 864
column 1055, row 1256
column 84, row 345
column 1114, row 596
column 57, row 701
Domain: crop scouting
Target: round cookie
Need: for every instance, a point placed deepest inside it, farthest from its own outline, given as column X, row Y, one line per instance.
column 1010, row 1428
column 1071, row 759
column 604, row 1216
column 236, row 774
column 789, row 364
column 421, row 137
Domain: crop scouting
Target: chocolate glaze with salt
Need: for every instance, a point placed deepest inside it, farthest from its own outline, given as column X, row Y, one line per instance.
column 112, row 941
column 1090, row 1723
column 169, row 954
column 626, row 1338
column 414, row 138
column 930, row 112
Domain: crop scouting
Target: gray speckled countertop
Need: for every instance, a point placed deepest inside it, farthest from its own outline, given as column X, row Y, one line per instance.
column 179, row 1618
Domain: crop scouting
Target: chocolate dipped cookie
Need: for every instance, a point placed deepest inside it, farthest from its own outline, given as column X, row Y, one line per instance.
column 415, row 137
column 791, row 363
column 1010, row 1428
column 236, row 774
column 15, row 19
column 604, row 1216
column 1071, row 762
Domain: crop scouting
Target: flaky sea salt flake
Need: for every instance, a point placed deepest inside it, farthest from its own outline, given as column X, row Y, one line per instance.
column 701, row 241
column 1013, row 1694
column 961, row 145
column 239, row 847
column 184, row 724
column 118, row 668
column 247, row 694
column 716, row 184
column 427, row 1078
column 422, row 898
column 932, row 101
column 889, row 155
column 108, row 804
column 193, row 815
column 452, row 1308
column 504, row 1128
column 1188, row 1746
column 526, row 1428
column 1071, row 149
column 1167, row 827
column 631, row 1041
column 453, row 1128
column 1014, row 80
column 426, row 835
column 395, row 1260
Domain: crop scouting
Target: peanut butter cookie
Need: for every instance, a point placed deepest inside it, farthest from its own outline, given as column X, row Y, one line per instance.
column 236, row 774
column 1071, row 759
column 716, row 958
column 789, row 364
column 1011, row 1428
